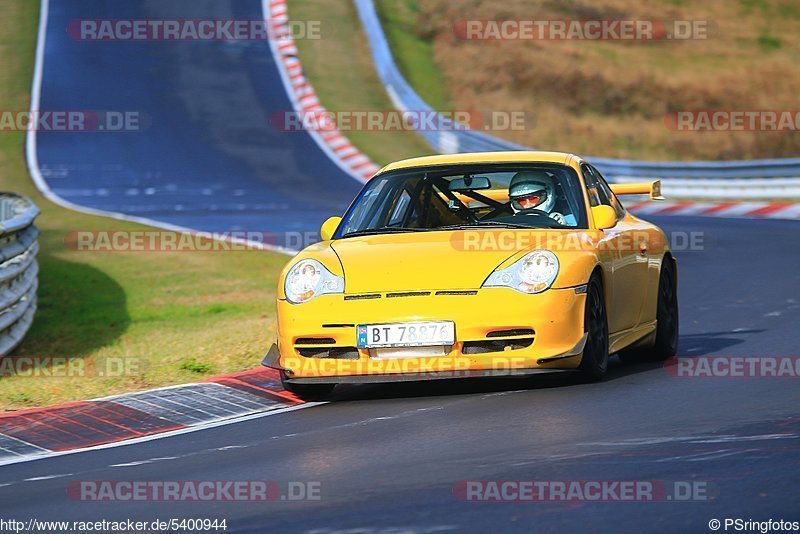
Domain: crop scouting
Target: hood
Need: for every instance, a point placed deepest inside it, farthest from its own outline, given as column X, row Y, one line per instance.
column 421, row 260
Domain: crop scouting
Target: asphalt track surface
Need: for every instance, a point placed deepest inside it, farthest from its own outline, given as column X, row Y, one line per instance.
column 389, row 456
column 208, row 156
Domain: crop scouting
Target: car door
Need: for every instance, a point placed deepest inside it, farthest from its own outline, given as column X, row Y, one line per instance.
column 628, row 272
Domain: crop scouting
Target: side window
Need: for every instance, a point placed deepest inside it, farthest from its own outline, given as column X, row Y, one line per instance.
column 613, row 200
column 597, row 195
column 365, row 211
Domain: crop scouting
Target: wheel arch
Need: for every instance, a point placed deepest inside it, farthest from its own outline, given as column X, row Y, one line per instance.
column 600, row 273
column 674, row 263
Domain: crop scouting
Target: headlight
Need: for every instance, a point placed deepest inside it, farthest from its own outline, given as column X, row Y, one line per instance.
column 533, row 273
column 308, row 279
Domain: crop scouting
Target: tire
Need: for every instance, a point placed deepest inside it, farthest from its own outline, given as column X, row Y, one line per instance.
column 665, row 344
column 307, row 392
column 594, row 362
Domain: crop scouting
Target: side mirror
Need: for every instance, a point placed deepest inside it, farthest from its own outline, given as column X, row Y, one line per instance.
column 604, row 217
column 329, row 227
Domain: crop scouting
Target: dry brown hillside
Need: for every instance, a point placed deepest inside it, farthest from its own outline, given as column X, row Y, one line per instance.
column 609, row 98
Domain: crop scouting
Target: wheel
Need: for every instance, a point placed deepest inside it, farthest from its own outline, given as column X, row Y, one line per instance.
column 594, row 363
column 307, row 392
column 665, row 344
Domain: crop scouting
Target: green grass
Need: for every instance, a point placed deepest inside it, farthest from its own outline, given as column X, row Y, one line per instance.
column 629, row 86
column 171, row 317
column 343, row 74
column 413, row 50
column 768, row 42
column 748, row 6
column 196, row 367
column 789, row 9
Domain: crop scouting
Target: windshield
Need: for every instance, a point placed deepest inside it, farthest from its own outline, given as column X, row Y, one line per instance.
column 468, row 196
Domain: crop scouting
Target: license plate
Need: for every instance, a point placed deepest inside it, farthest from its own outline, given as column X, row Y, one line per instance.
column 406, row 334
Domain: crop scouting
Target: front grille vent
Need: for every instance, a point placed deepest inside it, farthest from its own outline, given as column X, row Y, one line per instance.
column 408, row 294
column 314, row 341
column 515, row 332
column 363, row 297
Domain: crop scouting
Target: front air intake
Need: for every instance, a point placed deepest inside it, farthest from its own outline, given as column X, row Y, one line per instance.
column 482, row 347
column 332, row 353
column 314, row 341
column 515, row 332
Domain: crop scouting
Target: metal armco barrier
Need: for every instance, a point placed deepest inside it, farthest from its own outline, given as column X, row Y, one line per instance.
column 405, row 98
column 18, row 268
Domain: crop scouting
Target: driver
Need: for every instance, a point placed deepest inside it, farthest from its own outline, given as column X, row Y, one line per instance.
column 535, row 190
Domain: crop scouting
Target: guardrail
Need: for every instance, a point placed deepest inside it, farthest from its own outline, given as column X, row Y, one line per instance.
column 18, row 268
column 405, row 98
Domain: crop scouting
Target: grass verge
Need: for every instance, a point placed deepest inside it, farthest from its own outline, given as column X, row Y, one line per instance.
column 341, row 70
column 612, row 97
column 412, row 47
column 140, row 319
column 607, row 98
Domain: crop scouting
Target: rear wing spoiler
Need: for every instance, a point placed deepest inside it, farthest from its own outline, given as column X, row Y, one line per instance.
column 653, row 189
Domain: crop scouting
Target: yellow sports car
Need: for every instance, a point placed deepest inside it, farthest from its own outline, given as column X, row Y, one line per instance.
column 487, row 264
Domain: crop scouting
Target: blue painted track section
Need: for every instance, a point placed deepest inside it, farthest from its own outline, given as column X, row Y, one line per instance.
column 209, row 158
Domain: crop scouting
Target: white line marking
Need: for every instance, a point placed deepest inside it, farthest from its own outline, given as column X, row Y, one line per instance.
column 144, row 462
column 162, row 435
column 47, row 477
column 23, row 442
column 32, row 156
column 722, row 438
column 706, row 456
column 729, row 439
column 645, row 441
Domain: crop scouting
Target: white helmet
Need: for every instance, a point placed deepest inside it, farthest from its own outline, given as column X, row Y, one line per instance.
column 532, row 189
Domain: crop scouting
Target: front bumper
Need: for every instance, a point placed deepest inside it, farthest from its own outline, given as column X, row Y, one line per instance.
column 555, row 318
